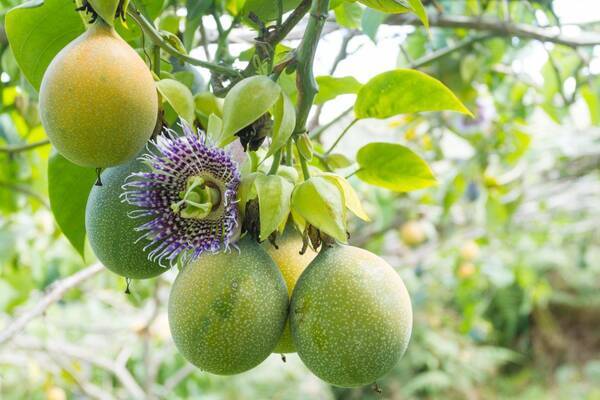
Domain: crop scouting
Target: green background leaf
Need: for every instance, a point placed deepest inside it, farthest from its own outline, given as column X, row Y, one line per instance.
column 403, row 91
column 389, row 6
column 36, row 33
column 68, row 188
column 393, row 166
column 330, row 87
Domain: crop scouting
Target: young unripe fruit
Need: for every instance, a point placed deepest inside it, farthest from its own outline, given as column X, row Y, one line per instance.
column 98, row 101
column 291, row 264
column 227, row 310
column 351, row 316
column 111, row 232
column 412, row 233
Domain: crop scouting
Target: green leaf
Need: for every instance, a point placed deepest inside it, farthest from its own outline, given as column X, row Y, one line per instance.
column 179, row 97
column 393, row 166
column 321, row 203
column 348, row 15
column 388, row 6
column 420, row 11
column 593, row 103
column 274, row 194
column 266, row 10
column 331, row 87
column 404, row 91
column 371, row 20
column 206, row 104
column 68, row 189
column 106, row 9
column 246, row 102
column 37, row 31
column 351, row 199
column 284, row 115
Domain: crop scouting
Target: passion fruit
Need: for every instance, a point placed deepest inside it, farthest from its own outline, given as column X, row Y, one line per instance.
column 98, row 101
column 291, row 264
column 111, row 232
column 227, row 311
column 350, row 316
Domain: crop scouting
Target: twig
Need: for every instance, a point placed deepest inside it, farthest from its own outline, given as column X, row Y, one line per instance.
column 151, row 32
column 84, row 354
column 178, row 377
column 346, row 129
column 56, row 293
column 316, row 134
column 23, row 147
column 26, row 191
column 496, row 27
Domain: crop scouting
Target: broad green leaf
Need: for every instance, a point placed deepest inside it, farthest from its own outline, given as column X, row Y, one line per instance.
column 420, row 11
column 68, row 189
column 388, row 6
column 37, row 31
column 351, row 199
column 393, row 166
column 284, row 115
column 214, row 128
column 371, row 20
column 246, row 102
column 179, row 97
column 348, row 15
column 331, row 87
column 274, row 195
column 321, row 203
column 338, row 161
column 403, row 91
column 106, row 9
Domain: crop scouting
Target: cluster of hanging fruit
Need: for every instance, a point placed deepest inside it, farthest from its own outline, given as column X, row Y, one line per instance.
column 176, row 203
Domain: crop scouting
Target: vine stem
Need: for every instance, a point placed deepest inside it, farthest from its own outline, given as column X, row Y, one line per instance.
column 346, row 129
column 305, row 79
column 147, row 27
column 305, row 55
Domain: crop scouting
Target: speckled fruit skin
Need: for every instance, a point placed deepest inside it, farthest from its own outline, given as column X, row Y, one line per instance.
column 351, row 316
column 291, row 264
column 98, row 101
column 111, row 232
column 227, row 310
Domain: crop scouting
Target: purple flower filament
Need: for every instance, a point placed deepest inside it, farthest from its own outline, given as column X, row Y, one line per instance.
column 188, row 198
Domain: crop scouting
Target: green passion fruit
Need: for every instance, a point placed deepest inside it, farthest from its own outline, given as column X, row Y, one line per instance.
column 227, row 311
column 351, row 316
column 111, row 232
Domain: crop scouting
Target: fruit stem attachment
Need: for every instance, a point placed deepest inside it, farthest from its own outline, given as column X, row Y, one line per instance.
column 276, row 162
column 198, row 200
column 98, row 178
column 303, row 164
column 148, row 28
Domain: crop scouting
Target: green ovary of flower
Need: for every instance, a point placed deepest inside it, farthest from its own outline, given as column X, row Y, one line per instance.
column 198, row 199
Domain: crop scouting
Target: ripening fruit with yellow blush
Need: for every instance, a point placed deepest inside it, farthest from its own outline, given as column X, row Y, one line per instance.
column 291, row 264
column 98, row 101
column 469, row 251
column 412, row 233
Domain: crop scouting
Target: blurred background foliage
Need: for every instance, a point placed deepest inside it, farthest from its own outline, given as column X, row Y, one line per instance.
column 501, row 258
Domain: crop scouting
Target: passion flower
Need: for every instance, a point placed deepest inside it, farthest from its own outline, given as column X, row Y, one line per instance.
column 189, row 196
